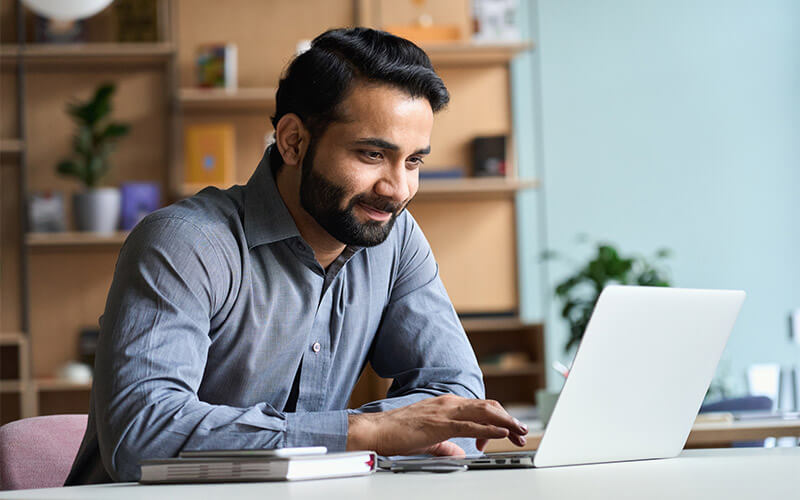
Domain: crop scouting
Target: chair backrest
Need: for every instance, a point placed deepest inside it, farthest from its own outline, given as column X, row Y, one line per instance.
column 745, row 403
column 38, row 452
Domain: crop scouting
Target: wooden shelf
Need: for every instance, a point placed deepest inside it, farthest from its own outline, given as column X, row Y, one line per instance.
column 494, row 324
column 492, row 187
column 469, row 53
column 57, row 384
column 256, row 98
column 74, row 238
column 512, row 371
column 11, row 386
column 11, row 146
column 93, row 53
column 12, row 338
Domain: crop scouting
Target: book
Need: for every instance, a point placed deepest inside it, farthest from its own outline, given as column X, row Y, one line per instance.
column 220, row 469
column 217, row 66
column 210, row 154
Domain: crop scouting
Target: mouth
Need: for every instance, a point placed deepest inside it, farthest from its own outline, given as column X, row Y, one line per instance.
column 374, row 213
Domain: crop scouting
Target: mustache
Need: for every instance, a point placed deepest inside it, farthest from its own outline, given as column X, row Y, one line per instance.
column 379, row 203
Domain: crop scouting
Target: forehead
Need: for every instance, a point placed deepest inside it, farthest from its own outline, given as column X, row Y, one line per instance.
column 376, row 110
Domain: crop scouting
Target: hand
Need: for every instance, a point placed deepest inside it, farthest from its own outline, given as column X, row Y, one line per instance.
column 424, row 427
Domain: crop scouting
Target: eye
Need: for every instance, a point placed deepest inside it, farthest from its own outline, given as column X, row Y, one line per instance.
column 415, row 161
column 372, row 155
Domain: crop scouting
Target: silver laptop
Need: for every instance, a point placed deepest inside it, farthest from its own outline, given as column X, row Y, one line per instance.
column 636, row 384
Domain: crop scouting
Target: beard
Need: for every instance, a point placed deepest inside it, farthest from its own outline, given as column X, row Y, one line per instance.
column 323, row 200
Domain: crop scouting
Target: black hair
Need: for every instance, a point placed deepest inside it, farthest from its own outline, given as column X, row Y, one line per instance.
column 319, row 79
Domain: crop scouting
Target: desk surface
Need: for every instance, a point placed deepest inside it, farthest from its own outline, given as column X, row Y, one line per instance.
column 703, row 434
column 696, row 474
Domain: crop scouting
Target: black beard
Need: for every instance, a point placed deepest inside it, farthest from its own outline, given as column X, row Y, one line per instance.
column 322, row 199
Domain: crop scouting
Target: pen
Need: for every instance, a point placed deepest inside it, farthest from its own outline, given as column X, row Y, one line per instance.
column 560, row 368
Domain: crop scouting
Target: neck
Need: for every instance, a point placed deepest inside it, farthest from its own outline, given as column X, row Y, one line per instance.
column 326, row 247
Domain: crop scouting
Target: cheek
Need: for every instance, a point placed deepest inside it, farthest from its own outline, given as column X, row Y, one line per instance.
column 413, row 183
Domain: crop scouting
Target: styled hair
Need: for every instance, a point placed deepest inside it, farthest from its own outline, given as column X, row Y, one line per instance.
column 317, row 81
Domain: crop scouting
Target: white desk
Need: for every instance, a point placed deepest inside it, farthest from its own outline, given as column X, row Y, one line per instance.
column 697, row 474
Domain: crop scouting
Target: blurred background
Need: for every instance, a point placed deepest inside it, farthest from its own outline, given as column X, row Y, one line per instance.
column 586, row 143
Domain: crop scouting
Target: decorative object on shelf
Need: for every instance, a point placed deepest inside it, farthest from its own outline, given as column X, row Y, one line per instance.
column 138, row 200
column 66, row 10
column 96, row 209
column 75, row 373
column 489, row 156
column 217, row 66
column 495, row 20
column 509, row 359
column 580, row 291
column 424, row 29
column 137, row 20
column 443, row 173
column 87, row 345
column 210, row 154
column 54, row 31
column 46, row 212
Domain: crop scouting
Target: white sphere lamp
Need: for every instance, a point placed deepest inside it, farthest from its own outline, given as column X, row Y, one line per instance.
column 66, row 10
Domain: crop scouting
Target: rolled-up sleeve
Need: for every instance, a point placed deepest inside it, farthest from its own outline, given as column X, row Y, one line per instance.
column 152, row 351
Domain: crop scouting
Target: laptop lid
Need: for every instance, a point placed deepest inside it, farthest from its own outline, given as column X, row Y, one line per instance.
column 640, row 374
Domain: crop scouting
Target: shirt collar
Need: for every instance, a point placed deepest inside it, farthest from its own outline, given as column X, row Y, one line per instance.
column 266, row 218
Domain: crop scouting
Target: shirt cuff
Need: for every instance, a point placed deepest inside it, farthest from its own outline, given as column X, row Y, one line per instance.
column 326, row 428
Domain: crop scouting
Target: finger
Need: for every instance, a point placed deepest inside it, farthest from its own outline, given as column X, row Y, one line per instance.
column 491, row 413
column 517, row 439
column 476, row 430
column 481, row 443
column 446, row 449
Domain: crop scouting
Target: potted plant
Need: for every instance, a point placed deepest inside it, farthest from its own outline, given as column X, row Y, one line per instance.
column 579, row 292
column 95, row 208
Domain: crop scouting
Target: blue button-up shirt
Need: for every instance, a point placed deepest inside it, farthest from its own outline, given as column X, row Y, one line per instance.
column 221, row 330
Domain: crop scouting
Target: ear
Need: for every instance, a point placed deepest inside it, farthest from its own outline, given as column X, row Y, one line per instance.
column 291, row 139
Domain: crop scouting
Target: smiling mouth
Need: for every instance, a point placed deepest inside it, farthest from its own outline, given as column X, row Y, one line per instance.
column 375, row 214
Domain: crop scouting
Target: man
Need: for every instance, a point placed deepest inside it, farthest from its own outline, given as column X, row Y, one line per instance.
column 243, row 318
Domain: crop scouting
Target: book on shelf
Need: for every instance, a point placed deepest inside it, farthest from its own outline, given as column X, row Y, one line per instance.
column 217, row 66
column 210, row 153
column 241, row 465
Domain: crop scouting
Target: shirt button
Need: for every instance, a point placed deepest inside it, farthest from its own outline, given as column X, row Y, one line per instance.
column 316, row 347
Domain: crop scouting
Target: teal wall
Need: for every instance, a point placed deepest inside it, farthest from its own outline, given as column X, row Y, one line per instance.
column 666, row 123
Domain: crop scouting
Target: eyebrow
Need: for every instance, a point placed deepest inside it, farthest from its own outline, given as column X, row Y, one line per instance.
column 384, row 144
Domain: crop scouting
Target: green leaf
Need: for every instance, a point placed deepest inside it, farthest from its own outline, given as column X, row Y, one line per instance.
column 70, row 168
column 82, row 141
column 663, row 253
column 115, row 130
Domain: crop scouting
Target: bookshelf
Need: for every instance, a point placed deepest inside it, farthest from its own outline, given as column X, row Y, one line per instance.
column 74, row 238
column 474, row 187
column 94, row 53
column 69, row 273
column 473, row 54
column 261, row 98
column 11, row 146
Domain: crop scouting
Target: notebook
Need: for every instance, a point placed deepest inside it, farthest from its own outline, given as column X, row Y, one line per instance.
column 242, row 465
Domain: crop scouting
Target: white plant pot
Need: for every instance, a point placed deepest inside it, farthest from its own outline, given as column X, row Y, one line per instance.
column 97, row 210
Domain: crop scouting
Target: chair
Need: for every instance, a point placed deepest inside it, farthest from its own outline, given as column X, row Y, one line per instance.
column 38, row 452
column 746, row 403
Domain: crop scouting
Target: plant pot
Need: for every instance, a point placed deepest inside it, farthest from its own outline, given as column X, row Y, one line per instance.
column 97, row 210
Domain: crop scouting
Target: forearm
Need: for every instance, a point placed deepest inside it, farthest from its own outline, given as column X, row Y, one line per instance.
column 164, row 428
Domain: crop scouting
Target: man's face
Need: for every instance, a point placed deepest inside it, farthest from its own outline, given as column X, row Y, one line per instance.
column 360, row 174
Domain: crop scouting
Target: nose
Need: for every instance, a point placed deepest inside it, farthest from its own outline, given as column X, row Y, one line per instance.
column 393, row 184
